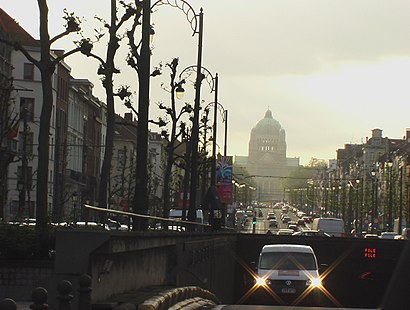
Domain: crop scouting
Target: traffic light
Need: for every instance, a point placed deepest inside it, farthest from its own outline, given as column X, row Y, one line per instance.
column 254, row 220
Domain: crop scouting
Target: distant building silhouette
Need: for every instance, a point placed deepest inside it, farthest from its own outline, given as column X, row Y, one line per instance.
column 266, row 161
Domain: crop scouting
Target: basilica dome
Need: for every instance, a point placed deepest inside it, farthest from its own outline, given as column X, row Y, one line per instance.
column 267, row 126
column 268, row 141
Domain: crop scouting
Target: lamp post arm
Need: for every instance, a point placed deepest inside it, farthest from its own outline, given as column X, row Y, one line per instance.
column 186, row 8
column 188, row 71
column 195, row 128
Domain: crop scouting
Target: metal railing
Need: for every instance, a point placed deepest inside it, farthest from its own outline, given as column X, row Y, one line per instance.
column 156, row 223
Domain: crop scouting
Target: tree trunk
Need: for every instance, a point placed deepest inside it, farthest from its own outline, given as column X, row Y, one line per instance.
column 43, row 152
column 167, row 179
column 46, row 68
column 108, row 85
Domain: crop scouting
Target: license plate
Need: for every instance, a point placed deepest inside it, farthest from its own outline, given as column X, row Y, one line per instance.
column 288, row 290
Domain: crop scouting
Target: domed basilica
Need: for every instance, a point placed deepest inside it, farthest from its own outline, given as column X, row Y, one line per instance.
column 266, row 161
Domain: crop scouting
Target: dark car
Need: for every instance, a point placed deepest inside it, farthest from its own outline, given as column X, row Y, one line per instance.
column 273, row 223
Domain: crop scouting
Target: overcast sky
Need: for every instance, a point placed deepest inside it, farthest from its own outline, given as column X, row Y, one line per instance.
column 330, row 70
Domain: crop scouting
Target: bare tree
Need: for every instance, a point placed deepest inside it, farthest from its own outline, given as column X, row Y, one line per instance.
column 46, row 65
column 107, row 69
column 177, row 128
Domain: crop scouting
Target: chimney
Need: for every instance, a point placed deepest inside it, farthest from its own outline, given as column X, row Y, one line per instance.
column 407, row 135
column 128, row 117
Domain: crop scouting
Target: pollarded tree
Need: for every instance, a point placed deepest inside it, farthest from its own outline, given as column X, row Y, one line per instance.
column 107, row 69
column 176, row 130
column 47, row 65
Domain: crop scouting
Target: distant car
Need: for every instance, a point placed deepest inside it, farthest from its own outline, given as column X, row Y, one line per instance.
column 286, row 219
column 271, row 216
column 285, row 232
column 291, row 223
column 388, row 235
column 312, row 233
column 300, row 222
column 332, row 226
column 371, row 236
column 273, row 223
column 295, row 228
column 249, row 213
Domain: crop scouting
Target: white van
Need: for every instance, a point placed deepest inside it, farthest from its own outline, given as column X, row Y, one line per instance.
column 177, row 214
column 332, row 226
column 289, row 270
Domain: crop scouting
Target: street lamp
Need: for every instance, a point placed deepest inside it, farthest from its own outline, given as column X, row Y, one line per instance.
column 390, row 211
column 141, row 201
column 217, row 106
column 201, row 73
column 375, row 199
column 357, row 207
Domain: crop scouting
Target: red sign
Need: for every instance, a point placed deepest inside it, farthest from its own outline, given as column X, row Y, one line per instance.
column 370, row 252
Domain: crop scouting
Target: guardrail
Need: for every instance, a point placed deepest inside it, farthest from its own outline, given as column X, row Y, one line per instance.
column 156, row 223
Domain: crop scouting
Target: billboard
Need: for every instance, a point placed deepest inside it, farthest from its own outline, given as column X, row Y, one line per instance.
column 224, row 178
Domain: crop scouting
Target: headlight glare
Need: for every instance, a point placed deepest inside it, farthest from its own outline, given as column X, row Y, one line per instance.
column 315, row 282
column 260, row 281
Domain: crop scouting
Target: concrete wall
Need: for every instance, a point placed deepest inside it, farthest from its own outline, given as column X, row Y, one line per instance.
column 129, row 262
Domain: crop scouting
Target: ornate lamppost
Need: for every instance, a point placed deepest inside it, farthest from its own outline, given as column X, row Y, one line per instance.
column 141, row 201
column 201, row 73
column 375, row 219
column 390, row 210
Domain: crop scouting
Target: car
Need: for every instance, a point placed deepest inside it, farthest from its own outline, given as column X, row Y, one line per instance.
column 294, row 227
column 388, row 235
column 285, row 232
column 311, row 233
column 271, row 216
column 301, row 222
column 285, row 219
column 371, row 236
column 332, row 226
column 249, row 213
column 273, row 223
column 177, row 214
column 289, row 270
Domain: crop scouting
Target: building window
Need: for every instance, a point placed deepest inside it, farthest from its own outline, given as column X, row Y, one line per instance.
column 27, row 108
column 28, row 71
column 121, row 157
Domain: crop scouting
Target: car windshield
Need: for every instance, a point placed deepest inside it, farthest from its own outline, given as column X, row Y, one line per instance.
column 287, row 261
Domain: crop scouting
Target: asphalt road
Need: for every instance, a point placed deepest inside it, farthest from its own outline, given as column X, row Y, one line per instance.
column 262, row 224
column 257, row 307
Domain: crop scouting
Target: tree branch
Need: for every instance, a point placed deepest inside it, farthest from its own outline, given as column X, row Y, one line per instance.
column 18, row 47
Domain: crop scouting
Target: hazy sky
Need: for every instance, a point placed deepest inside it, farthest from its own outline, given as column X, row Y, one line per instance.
column 330, row 70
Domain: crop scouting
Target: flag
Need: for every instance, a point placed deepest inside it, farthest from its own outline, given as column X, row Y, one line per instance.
column 13, row 131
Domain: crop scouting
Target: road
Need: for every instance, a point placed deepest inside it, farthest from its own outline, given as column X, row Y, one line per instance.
column 258, row 307
column 262, row 224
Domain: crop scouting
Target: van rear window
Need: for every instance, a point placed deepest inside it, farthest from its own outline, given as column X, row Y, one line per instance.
column 287, row 261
